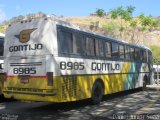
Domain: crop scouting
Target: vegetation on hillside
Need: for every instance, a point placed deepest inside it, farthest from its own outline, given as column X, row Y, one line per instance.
column 127, row 27
column 156, row 53
column 135, row 29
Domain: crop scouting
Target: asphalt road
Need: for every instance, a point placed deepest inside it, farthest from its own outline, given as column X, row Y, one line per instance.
column 137, row 105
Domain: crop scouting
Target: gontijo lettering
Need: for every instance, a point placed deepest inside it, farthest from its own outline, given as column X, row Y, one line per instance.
column 25, row 47
column 105, row 66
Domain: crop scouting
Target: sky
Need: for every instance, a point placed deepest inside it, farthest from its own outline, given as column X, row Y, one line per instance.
column 14, row 8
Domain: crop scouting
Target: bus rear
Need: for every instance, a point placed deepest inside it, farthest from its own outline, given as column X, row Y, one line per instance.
column 29, row 47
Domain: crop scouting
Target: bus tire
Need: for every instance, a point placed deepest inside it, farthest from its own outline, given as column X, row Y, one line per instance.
column 144, row 87
column 97, row 92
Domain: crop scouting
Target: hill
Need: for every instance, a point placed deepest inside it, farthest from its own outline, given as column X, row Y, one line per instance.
column 104, row 25
column 107, row 27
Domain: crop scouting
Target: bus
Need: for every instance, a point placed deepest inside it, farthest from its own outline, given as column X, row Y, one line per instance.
column 52, row 60
column 1, row 62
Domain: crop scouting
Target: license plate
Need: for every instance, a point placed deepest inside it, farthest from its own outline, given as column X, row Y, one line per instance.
column 24, row 80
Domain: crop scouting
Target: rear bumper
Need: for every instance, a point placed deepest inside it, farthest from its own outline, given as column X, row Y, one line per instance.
column 38, row 94
column 32, row 96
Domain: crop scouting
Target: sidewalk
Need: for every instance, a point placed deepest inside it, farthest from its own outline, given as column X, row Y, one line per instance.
column 154, row 87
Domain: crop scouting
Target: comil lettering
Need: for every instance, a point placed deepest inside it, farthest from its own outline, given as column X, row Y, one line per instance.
column 25, row 47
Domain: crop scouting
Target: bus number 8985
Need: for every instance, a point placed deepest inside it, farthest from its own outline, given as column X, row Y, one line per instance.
column 21, row 70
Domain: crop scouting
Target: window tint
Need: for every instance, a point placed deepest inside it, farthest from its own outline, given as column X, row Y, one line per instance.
column 115, row 50
column 143, row 55
column 1, row 50
column 78, row 44
column 107, row 49
column 137, row 54
column 121, row 51
column 1, row 46
column 99, row 48
column 150, row 59
column 66, row 42
column 90, row 46
column 132, row 53
column 127, row 52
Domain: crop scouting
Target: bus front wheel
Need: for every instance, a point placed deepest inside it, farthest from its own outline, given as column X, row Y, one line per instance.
column 97, row 92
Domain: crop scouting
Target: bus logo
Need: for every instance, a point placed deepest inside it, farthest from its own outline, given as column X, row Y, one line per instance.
column 25, row 35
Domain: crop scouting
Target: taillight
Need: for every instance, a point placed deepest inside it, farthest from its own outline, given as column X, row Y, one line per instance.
column 5, row 77
column 50, row 78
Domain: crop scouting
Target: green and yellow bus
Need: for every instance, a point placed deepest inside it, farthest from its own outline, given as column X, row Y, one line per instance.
column 51, row 60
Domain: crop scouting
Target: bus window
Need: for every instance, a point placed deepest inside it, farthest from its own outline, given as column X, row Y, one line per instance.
column 90, row 46
column 1, row 46
column 66, row 42
column 127, row 52
column 132, row 53
column 143, row 56
column 150, row 59
column 137, row 54
column 99, row 48
column 115, row 50
column 108, row 49
column 78, row 44
column 1, row 50
column 121, row 52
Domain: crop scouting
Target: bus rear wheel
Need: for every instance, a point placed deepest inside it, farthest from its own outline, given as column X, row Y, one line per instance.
column 97, row 92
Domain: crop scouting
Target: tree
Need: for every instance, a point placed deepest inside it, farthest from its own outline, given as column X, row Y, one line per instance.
column 124, row 15
column 147, row 23
column 100, row 12
column 133, row 25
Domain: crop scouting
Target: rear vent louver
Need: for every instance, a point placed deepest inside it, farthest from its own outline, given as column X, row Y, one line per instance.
column 69, row 87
